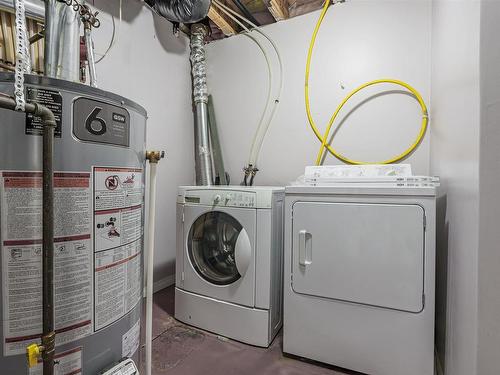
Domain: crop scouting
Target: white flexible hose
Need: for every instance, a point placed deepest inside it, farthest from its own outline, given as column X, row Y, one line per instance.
column 224, row 9
column 149, row 270
column 253, row 154
column 259, row 136
column 251, row 160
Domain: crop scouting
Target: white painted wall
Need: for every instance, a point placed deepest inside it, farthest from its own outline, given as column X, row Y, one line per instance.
column 359, row 41
column 489, row 256
column 420, row 42
column 150, row 66
column 455, row 140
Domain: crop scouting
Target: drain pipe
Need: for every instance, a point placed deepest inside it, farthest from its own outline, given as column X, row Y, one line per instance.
column 203, row 155
column 153, row 157
column 47, row 348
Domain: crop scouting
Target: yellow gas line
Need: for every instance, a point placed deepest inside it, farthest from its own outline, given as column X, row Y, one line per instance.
column 324, row 138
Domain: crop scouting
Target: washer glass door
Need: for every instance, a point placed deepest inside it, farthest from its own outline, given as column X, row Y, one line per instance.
column 216, row 242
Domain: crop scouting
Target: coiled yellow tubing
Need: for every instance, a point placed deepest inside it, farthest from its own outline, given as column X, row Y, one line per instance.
column 324, row 138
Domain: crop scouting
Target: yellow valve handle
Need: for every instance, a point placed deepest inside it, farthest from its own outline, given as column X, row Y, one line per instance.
column 324, row 138
column 33, row 353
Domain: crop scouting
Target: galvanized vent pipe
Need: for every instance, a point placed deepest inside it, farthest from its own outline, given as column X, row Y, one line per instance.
column 203, row 155
column 62, row 41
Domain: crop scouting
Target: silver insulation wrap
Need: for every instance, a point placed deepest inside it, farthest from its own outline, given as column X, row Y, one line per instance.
column 182, row 11
column 198, row 62
column 203, row 155
column 62, row 41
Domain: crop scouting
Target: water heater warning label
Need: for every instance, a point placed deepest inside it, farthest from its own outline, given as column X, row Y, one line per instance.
column 21, row 247
column 50, row 99
column 118, row 195
column 131, row 340
column 66, row 363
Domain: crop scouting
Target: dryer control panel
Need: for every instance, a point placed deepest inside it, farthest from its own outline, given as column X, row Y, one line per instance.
column 222, row 198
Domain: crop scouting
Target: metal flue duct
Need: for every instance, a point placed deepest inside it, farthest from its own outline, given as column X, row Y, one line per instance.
column 182, row 11
column 203, row 159
column 62, row 41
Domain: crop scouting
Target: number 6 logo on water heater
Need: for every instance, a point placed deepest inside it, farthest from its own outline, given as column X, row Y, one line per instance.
column 100, row 129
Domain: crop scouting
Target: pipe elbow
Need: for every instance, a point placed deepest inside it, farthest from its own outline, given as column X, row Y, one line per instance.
column 45, row 114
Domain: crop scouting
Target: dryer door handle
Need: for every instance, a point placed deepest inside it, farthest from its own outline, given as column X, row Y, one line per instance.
column 243, row 252
column 305, row 248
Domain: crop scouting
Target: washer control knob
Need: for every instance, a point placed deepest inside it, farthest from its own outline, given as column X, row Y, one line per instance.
column 217, row 199
column 229, row 198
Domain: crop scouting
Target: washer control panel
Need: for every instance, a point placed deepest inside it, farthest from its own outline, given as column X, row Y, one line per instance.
column 222, row 198
column 238, row 199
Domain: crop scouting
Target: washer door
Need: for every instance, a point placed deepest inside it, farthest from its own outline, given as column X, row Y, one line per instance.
column 219, row 248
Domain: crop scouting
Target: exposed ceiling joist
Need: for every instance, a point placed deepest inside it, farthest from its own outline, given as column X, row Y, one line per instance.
column 279, row 9
column 221, row 20
column 265, row 12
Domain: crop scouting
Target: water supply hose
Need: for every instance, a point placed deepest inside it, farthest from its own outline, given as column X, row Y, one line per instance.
column 324, row 138
column 251, row 168
column 153, row 157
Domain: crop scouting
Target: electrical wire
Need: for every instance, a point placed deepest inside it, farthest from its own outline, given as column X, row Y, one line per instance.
column 245, row 12
column 324, row 138
column 114, row 33
column 263, row 127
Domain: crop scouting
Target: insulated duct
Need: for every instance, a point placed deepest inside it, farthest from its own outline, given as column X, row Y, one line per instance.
column 62, row 41
column 203, row 157
column 181, row 11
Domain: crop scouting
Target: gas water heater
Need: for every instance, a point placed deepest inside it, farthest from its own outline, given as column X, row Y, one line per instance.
column 99, row 165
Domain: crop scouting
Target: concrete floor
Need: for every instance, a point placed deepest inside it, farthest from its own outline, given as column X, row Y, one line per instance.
column 179, row 349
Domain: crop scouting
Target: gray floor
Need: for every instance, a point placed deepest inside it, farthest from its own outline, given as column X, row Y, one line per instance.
column 179, row 349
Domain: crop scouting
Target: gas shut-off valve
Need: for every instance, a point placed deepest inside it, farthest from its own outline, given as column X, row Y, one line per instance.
column 33, row 354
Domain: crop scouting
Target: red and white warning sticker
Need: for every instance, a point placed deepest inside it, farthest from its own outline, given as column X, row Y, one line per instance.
column 118, row 233
column 66, row 363
column 117, row 188
column 21, row 247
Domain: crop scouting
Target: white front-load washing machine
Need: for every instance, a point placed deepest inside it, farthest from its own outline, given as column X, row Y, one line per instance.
column 359, row 277
column 229, row 263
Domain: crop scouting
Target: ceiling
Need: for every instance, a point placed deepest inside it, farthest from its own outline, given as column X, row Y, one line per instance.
column 264, row 11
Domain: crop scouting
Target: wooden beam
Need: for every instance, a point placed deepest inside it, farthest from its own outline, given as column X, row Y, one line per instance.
column 221, row 20
column 279, row 9
column 300, row 7
column 8, row 42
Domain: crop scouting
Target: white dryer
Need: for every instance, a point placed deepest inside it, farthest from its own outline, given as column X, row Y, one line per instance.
column 359, row 277
column 229, row 262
